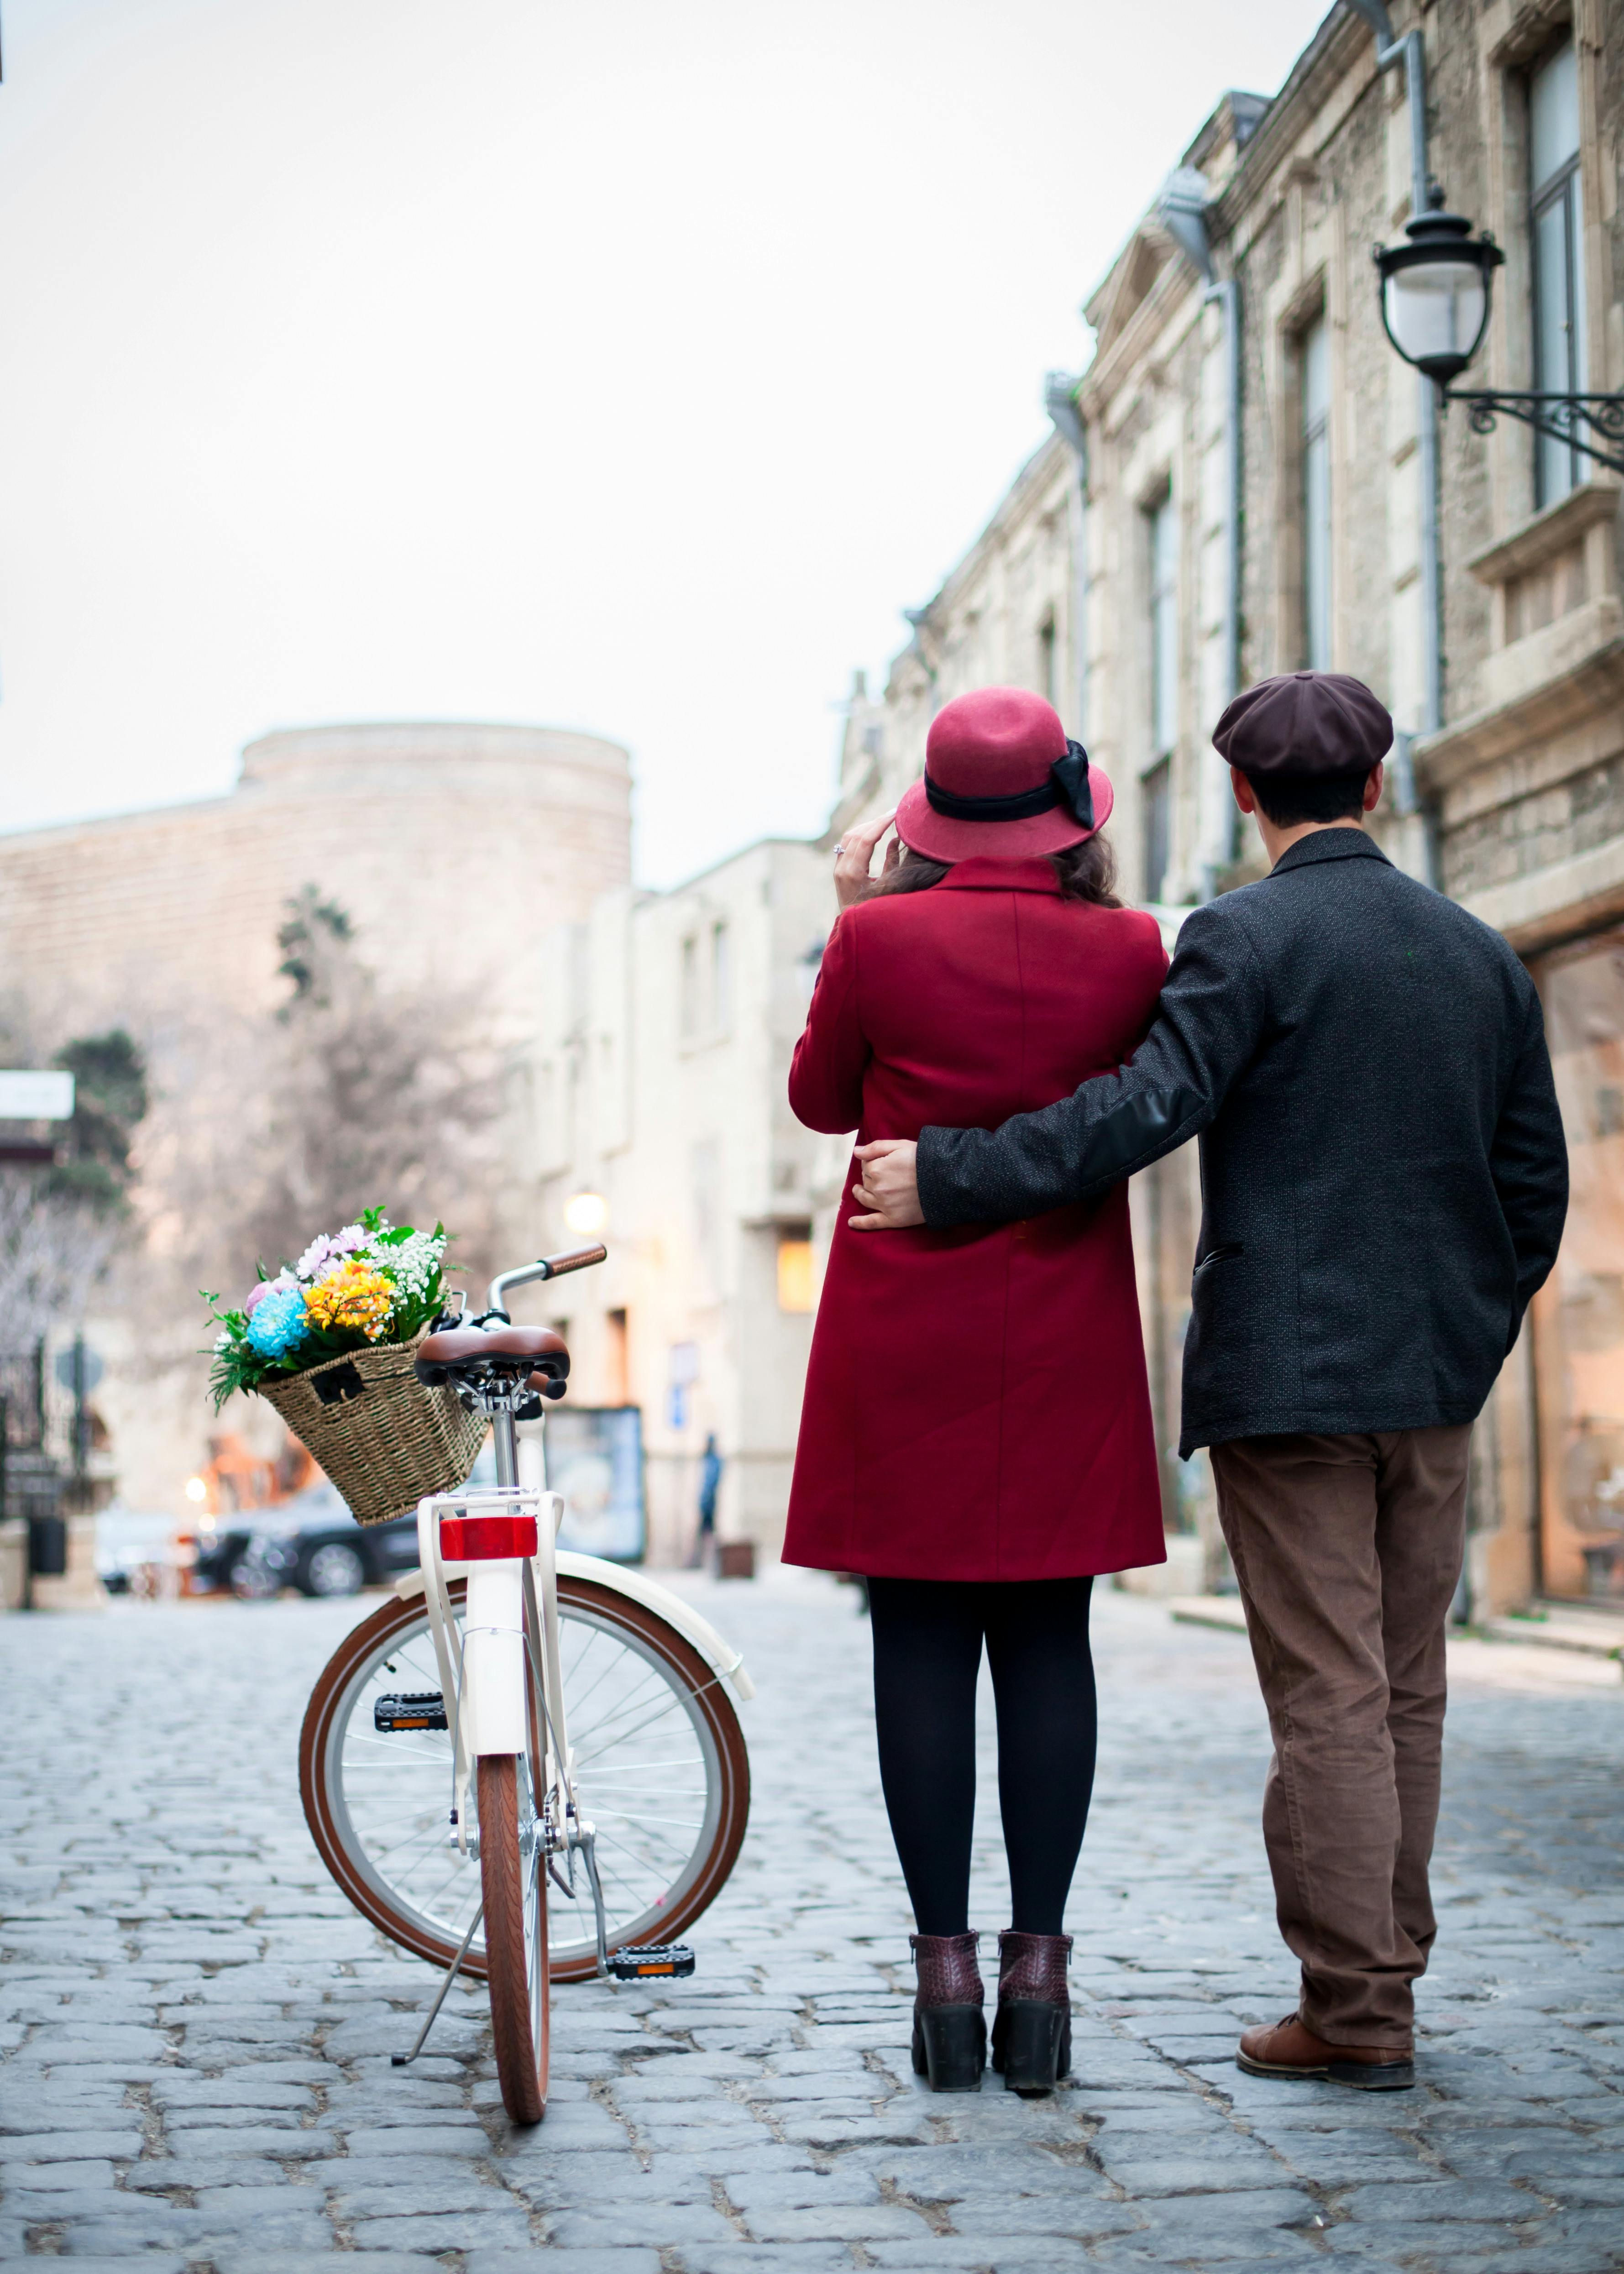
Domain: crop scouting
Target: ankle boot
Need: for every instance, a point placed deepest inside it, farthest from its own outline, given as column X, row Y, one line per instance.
column 1032, row 2029
column 949, row 2031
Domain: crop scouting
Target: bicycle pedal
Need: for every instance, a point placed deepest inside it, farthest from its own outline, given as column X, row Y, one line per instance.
column 634, row 1964
column 422, row 1709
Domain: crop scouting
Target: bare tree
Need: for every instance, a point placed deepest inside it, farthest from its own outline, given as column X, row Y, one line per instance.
column 53, row 1249
column 374, row 1096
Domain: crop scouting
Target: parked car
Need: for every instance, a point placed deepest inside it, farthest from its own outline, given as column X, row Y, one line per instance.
column 311, row 1542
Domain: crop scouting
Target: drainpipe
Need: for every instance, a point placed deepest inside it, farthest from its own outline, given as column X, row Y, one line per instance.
column 1410, row 52
column 1181, row 206
column 1060, row 401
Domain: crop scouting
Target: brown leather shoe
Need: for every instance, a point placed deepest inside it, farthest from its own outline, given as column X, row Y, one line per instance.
column 1288, row 2048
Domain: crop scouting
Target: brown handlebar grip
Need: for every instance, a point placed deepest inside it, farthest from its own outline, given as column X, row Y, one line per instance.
column 577, row 1260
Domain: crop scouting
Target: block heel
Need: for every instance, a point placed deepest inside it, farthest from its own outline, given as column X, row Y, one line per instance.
column 1032, row 2043
column 949, row 2047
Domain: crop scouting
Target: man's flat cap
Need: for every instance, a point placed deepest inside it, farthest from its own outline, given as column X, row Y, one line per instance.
column 1304, row 722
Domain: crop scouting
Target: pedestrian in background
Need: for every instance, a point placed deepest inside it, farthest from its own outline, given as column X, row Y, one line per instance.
column 976, row 1434
column 1384, row 1183
column 710, row 1485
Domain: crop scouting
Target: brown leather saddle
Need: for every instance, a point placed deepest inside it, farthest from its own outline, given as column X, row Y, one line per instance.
column 466, row 1356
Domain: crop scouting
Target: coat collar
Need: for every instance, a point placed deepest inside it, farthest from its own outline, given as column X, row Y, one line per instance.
column 1329, row 844
column 981, row 873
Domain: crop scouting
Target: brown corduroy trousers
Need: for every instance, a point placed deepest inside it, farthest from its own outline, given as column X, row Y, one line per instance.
column 1348, row 1551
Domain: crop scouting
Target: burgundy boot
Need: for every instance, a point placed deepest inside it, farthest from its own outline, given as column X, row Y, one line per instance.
column 949, row 2029
column 1032, row 2029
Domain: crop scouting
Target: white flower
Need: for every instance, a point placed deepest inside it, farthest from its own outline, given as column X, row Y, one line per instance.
column 413, row 1263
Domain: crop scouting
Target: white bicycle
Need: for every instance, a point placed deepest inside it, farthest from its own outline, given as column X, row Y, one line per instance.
column 527, row 1767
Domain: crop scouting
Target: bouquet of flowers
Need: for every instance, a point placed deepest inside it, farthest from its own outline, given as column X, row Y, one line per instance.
column 373, row 1283
column 328, row 1342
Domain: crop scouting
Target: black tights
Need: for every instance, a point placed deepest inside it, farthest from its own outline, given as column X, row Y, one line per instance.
column 928, row 1637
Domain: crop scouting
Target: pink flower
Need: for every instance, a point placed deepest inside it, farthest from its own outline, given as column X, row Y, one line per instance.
column 261, row 1288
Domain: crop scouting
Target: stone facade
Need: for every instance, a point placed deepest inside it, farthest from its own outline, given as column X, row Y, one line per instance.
column 660, row 1085
column 457, row 851
column 1116, row 599
column 505, row 829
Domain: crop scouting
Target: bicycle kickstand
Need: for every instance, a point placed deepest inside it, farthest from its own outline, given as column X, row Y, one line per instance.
column 401, row 2061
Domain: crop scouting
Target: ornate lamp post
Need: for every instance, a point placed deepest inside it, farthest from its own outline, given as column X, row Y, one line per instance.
column 1435, row 296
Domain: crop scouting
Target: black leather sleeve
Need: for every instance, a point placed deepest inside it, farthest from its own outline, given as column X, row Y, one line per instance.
column 1529, row 1160
column 1206, row 1031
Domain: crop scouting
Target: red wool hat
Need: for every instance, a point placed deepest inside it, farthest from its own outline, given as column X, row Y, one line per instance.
column 1000, row 780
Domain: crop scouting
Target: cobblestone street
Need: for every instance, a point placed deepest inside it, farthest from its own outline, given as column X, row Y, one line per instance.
column 197, row 2027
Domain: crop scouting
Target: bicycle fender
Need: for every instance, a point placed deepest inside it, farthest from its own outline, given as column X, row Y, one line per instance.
column 727, row 1662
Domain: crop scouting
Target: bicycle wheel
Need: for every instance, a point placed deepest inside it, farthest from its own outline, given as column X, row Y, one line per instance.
column 513, row 1880
column 660, row 1768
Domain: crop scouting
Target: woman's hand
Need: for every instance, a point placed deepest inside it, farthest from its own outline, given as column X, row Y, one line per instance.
column 853, row 854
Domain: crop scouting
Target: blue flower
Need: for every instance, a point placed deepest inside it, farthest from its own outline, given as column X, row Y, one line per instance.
column 279, row 1322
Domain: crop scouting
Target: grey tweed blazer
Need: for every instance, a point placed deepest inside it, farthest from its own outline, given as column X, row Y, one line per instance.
column 1383, row 1172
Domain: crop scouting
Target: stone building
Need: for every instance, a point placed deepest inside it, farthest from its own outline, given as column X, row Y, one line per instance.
column 659, row 1088
column 1256, row 461
column 507, row 830
column 456, row 851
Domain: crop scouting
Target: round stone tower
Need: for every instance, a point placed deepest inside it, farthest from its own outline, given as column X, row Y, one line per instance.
column 454, row 850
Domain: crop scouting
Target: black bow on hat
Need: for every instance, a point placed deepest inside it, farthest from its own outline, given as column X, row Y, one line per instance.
column 1067, row 785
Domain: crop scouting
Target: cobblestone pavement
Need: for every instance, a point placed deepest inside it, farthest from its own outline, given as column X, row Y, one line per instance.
column 198, row 2027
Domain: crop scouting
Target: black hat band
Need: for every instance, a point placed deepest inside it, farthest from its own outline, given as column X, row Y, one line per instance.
column 1067, row 785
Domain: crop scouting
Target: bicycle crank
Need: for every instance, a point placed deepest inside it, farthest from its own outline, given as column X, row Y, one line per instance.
column 632, row 1962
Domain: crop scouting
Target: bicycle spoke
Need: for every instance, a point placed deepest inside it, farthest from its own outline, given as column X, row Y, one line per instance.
column 642, row 1749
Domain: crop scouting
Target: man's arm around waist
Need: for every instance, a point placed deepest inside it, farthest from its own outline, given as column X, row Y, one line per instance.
column 1206, row 1030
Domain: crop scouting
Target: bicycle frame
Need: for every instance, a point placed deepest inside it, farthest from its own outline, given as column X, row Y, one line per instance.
column 502, row 1677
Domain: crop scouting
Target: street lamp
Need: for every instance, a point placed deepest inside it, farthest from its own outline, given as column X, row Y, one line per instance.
column 1435, row 296
column 586, row 1215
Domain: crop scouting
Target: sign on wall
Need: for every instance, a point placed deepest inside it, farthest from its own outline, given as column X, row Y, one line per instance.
column 26, row 1094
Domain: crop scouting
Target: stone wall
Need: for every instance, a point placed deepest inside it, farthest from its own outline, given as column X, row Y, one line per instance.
column 456, row 850
column 447, row 845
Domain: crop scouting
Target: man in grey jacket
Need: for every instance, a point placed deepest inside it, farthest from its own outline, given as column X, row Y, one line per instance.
column 1384, row 1183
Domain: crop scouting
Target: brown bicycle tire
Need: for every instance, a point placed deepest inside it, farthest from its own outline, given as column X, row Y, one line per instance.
column 521, row 2059
column 391, row 1619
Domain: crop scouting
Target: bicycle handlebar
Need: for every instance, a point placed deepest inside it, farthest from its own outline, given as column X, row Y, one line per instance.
column 545, row 1267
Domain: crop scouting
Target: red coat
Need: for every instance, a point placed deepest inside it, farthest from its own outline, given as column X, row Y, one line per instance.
column 976, row 1404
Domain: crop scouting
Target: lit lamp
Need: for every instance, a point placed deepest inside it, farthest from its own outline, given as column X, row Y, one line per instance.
column 1435, row 296
column 196, row 1490
column 587, row 1215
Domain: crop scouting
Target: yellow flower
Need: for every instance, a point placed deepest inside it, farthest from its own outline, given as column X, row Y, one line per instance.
column 355, row 1295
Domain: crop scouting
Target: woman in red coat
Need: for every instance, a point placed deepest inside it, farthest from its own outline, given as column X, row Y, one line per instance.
column 976, row 1435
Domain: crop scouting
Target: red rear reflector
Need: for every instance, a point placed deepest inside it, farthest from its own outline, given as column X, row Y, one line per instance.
column 470, row 1538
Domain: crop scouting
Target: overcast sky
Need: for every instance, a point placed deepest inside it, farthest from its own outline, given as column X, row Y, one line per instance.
column 626, row 365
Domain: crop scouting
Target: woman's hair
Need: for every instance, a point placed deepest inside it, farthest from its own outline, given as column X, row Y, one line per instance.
column 1086, row 872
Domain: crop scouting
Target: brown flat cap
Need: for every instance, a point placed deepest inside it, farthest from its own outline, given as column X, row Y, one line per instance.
column 1304, row 722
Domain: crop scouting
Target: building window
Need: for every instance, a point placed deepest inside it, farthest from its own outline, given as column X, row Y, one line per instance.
column 1578, row 1315
column 617, row 1360
column 690, row 988
column 721, row 977
column 1559, row 294
column 796, row 1272
column 1047, row 686
column 1156, row 788
column 1163, row 534
column 1314, row 380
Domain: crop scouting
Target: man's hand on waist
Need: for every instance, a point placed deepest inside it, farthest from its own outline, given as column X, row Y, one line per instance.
column 889, row 1186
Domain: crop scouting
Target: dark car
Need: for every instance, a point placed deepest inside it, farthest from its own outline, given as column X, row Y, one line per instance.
column 311, row 1542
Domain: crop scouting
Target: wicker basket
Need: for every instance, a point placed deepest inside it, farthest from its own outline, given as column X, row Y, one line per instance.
column 384, row 1438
